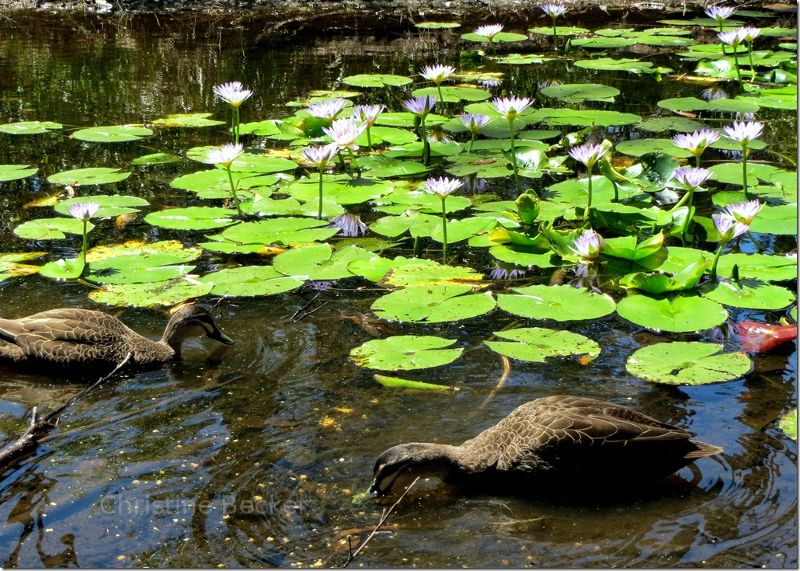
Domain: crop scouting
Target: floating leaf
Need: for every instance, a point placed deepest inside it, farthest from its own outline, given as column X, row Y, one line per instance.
column 672, row 123
column 376, row 80
column 437, row 25
column 29, row 127
column 110, row 205
column 150, row 294
column 500, row 37
column 765, row 267
column 88, row 176
column 192, row 218
column 405, row 272
column 781, row 219
column 15, row 172
column 559, row 31
column 558, row 302
column 405, row 352
column 680, row 314
column 687, row 363
column 751, row 294
column 717, row 105
column 250, row 281
column 579, row 92
column 454, row 93
column 585, row 117
column 284, row 231
column 12, row 265
column 639, row 147
column 319, row 262
column 156, row 159
column 187, row 120
column 537, row 344
column 112, row 133
column 63, row 269
column 140, row 262
column 50, row 228
column 214, row 183
column 788, row 423
column 522, row 59
column 622, row 64
column 433, row 304
column 398, row 383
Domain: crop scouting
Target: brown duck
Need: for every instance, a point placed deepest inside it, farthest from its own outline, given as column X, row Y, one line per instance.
column 556, row 442
column 84, row 338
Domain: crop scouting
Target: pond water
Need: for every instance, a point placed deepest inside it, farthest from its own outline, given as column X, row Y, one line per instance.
column 253, row 458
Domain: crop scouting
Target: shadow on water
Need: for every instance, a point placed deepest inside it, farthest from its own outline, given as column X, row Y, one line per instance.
column 253, row 459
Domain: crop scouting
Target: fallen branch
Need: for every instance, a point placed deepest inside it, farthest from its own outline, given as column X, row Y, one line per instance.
column 40, row 425
column 383, row 519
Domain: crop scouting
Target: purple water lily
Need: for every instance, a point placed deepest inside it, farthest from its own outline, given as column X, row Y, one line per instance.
column 327, row 109
column 84, row 210
column 349, row 225
column 692, row 176
column 420, row 106
column 743, row 212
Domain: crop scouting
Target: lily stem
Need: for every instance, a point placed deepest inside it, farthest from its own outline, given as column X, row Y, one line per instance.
column 444, row 231
column 514, row 155
column 319, row 210
column 233, row 191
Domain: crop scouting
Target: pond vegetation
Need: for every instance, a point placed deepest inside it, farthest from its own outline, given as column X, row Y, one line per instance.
column 474, row 203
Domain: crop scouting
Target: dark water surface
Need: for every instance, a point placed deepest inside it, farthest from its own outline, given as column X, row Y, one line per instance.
column 254, row 461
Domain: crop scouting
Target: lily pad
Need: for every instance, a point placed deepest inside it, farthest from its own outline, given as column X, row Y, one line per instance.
column 585, row 117
column 413, row 272
column 50, row 228
column 639, row 147
column 319, row 262
column 751, row 294
column 680, row 314
column 16, row 172
column 522, row 59
column 13, row 264
column 454, row 93
column 29, row 127
column 187, row 120
column 376, row 80
column 192, row 218
column 151, row 294
column 110, row 205
column 537, row 344
column 788, row 423
column 437, row 25
column 769, row 268
column 500, row 37
column 285, row 231
column 88, row 176
column 156, row 159
column 557, row 302
column 559, row 31
column 112, row 133
column 140, row 262
column 398, row 383
column 249, row 281
column 580, row 92
column 433, row 304
column 687, row 363
column 405, row 352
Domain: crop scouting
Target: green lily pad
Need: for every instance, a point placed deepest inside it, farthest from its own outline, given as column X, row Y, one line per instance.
column 63, row 269
column 433, row 304
column 580, row 92
column 187, row 120
column 687, row 363
column 522, row 59
column 405, row 352
column 398, row 383
column 500, row 37
column 437, row 25
column 192, row 218
column 12, row 265
column 385, row 167
column 16, row 172
column 376, row 80
column 150, row 294
column 602, row 43
column 453, row 93
column 715, row 105
column 140, row 262
column 680, row 124
column 249, row 281
column 285, row 231
column 788, row 423
column 50, row 228
column 537, row 344
column 558, row 302
column 155, row 159
column 521, row 257
column 88, row 176
column 319, row 262
column 214, row 183
column 781, row 219
column 622, row 64
column 585, row 117
column 29, row 127
column 110, row 205
column 769, row 268
column 112, row 133
column 680, row 314
column 413, row 272
column 639, row 147
column 751, row 294
column 560, row 31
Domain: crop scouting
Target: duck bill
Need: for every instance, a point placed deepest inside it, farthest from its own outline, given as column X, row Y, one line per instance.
column 218, row 335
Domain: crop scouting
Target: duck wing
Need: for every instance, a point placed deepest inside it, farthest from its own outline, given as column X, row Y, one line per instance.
column 567, row 433
column 64, row 335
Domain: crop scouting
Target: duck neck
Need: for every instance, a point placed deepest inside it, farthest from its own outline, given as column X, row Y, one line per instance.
column 174, row 337
column 440, row 460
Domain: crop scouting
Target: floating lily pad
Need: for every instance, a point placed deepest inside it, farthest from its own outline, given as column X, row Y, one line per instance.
column 150, row 294
column 788, row 423
column 112, row 133
column 522, row 59
column 437, row 25
column 680, row 314
column 140, row 262
column 687, row 363
column 559, row 31
column 433, row 304
column 585, row 117
column 187, row 120
column 765, row 267
column 249, row 281
column 12, row 265
column 192, row 218
column 385, row 167
column 405, row 352
column 319, row 262
column 537, row 344
column 500, row 37
column 29, row 127
column 715, row 105
column 639, row 147
column 16, row 172
column 602, row 43
column 453, row 93
column 558, row 302
column 110, row 205
column 413, row 272
column 781, row 219
column 680, row 124
column 50, row 228
column 285, row 231
column 156, row 159
column 63, row 269
column 622, row 64
column 751, row 294
column 88, row 176
column 214, row 183
column 376, row 80
column 398, row 383
column 579, row 92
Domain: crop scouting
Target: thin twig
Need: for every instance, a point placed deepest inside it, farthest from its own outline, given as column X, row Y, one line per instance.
column 383, row 519
column 307, row 313
column 302, row 308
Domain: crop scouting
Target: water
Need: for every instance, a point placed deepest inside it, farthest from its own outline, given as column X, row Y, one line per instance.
column 254, row 459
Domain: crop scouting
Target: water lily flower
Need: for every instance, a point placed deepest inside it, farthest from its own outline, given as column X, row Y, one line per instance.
column 321, row 155
column 696, row 142
column 692, row 176
column 588, row 154
column 720, row 13
column 730, row 37
column 349, row 225
column 420, row 106
column 587, row 246
column 553, row 10
column 474, row 123
column 748, row 33
column 345, row 131
column 729, row 227
column 744, row 132
column 490, row 82
column 743, row 212
column 489, row 31
column 437, row 73
column 711, row 93
column 368, row 113
column 233, row 93
column 224, row 155
column 84, row 210
column 510, row 107
column 327, row 109
column 501, row 273
column 443, row 187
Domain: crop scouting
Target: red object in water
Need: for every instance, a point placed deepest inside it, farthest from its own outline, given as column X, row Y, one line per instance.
column 757, row 337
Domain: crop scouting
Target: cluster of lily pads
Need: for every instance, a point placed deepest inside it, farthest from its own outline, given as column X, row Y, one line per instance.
column 290, row 194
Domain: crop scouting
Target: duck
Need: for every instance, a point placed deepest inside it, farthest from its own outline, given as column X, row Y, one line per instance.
column 73, row 338
column 560, row 442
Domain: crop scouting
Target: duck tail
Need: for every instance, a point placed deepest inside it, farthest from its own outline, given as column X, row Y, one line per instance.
column 703, row 449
